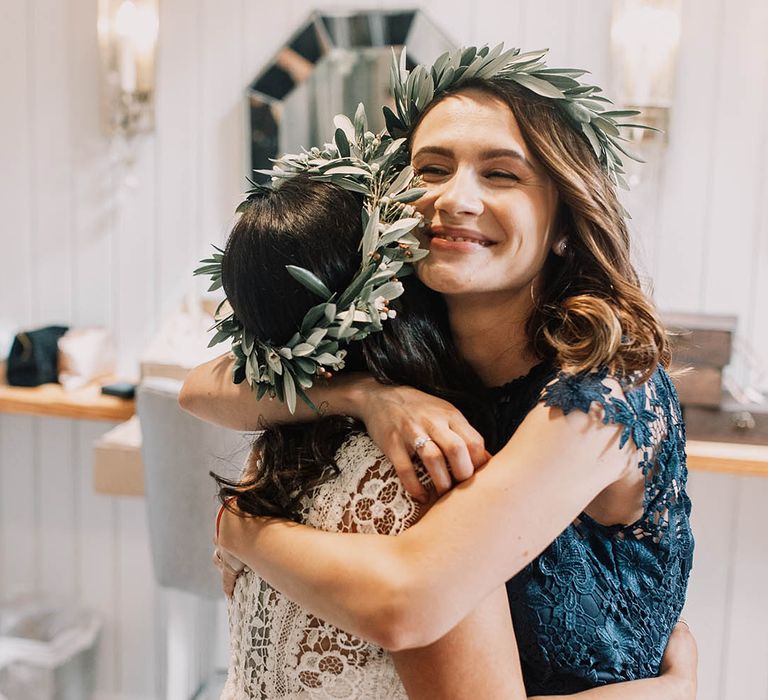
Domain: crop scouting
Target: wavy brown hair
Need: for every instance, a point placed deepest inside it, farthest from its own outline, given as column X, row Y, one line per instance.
column 591, row 311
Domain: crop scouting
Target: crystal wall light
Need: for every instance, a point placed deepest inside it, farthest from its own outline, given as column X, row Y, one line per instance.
column 645, row 35
column 128, row 31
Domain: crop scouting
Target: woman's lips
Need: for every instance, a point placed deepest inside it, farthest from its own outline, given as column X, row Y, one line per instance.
column 457, row 239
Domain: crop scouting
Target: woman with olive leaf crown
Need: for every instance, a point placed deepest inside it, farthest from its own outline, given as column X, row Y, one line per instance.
column 582, row 508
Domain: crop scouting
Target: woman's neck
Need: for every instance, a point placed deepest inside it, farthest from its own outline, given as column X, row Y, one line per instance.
column 490, row 334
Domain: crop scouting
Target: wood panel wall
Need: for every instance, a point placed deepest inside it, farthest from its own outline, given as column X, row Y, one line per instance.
column 91, row 239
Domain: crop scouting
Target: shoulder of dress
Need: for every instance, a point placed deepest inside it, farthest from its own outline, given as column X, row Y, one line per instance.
column 358, row 460
column 578, row 391
column 623, row 400
column 359, row 452
column 365, row 495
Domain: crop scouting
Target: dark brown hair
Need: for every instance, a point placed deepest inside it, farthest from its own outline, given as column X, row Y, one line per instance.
column 317, row 226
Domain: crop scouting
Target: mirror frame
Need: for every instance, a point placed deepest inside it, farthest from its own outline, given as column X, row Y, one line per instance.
column 321, row 33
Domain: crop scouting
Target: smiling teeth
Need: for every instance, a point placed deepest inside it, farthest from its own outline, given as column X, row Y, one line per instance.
column 485, row 244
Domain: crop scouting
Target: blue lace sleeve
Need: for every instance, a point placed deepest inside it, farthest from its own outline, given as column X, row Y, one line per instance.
column 650, row 416
column 579, row 391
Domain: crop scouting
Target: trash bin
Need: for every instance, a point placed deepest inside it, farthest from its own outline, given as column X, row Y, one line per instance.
column 47, row 652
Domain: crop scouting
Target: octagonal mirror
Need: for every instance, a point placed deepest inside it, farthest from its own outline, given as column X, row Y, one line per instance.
column 334, row 61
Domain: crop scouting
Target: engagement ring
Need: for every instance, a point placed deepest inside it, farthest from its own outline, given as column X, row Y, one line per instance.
column 421, row 441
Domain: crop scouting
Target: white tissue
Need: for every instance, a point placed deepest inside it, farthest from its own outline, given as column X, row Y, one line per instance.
column 85, row 354
column 183, row 337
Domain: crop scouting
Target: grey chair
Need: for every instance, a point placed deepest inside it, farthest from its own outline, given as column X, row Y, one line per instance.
column 178, row 451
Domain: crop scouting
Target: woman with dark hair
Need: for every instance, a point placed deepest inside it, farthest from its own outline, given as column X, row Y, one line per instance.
column 582, row 509
column 329, row 474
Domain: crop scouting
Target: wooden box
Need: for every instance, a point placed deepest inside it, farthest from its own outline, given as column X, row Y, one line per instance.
column 731, row 422
column 698, row 386
column 701, row 348
column 700, row 339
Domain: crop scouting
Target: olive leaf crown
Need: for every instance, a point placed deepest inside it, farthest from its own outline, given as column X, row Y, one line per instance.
column 376, row 166
column 585, row 110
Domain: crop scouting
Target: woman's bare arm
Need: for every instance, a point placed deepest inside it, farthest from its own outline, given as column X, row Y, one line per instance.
column 210, row 394
column 384, row 589
column 477, row 659
column 394, row 416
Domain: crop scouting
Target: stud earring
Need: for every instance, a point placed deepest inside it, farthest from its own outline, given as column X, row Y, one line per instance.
column 560, row 247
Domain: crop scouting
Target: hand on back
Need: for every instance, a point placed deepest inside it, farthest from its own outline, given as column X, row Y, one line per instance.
column 680, row 660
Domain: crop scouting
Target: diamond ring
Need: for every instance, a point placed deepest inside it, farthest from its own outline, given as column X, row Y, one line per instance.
column 421, row 441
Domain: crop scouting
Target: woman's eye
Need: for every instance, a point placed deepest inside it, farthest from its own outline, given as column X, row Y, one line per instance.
column 503, row 174
column 431, row 170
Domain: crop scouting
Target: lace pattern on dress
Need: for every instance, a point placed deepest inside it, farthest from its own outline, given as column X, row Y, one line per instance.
column 278, row 649
column 597, row 606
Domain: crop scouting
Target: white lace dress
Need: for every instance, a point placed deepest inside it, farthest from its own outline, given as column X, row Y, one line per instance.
column 278, row 649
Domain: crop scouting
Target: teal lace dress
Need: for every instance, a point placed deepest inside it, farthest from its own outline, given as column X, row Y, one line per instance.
column 598, row 605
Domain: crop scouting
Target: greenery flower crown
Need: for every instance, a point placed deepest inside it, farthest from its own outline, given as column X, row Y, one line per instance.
column 585, row 110
column 376, row 165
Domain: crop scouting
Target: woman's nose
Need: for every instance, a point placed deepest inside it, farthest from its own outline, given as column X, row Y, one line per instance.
column 460, row 195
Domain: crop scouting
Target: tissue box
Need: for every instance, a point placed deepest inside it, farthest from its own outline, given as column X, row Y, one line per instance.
column 702, row 344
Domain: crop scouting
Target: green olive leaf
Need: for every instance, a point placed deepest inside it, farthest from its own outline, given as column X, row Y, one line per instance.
column 309, row 280
column 289, row 388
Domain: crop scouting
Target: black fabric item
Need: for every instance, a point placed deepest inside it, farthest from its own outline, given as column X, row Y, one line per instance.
column 34, row 357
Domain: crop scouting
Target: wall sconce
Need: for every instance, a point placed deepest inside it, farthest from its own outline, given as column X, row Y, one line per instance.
column 644, row 38
column 128, row 32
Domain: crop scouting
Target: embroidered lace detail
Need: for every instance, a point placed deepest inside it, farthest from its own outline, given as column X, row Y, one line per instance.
column 598, row 605
column 278, row 649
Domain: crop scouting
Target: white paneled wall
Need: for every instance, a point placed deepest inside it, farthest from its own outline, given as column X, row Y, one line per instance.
column 88, row 239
